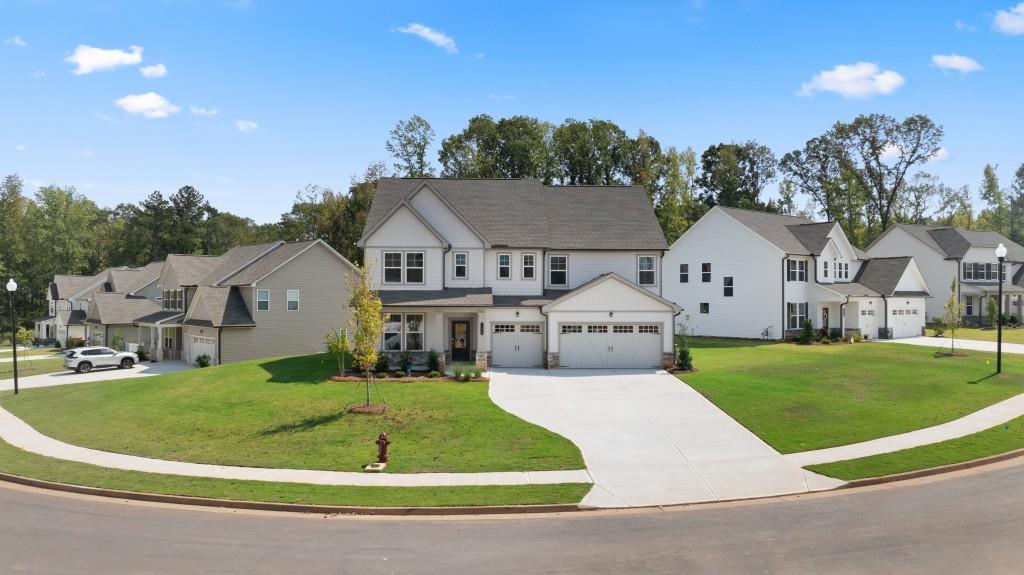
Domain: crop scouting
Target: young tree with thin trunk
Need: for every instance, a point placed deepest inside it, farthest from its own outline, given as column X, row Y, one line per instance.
column 368, row 324
column 954, row 314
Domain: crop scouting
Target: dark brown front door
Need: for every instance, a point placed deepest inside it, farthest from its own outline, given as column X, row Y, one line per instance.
column 460, row 340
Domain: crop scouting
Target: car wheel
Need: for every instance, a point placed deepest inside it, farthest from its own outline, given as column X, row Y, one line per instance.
column 84, row 367
column 127, row 363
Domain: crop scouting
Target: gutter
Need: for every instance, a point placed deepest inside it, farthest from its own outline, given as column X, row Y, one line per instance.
column 842, row 318
column 785, row 259
column 885, row 303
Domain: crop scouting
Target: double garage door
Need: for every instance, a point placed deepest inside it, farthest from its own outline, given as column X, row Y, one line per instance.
column 610, row 345
column 517, row 345
column 199, row 345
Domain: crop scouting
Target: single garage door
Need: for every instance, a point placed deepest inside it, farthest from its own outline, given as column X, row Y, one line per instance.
column 623, row 346
column 905, row 322
column 516, row 345
column 202, row 345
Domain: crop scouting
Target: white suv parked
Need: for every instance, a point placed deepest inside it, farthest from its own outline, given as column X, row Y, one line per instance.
column 83, row 359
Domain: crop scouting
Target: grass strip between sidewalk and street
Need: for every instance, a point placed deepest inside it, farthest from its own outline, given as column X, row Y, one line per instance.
column 27, row 367
column 992, row 441
column 16, row 461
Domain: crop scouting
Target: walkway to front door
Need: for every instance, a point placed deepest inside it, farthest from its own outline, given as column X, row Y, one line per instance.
column 650, row 439
column 460, row 340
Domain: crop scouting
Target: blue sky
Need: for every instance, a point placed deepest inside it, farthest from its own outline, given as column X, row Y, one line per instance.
column 306, row 92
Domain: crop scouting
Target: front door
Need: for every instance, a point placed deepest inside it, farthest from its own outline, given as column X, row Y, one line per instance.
column 824, row 319
column 460, row 340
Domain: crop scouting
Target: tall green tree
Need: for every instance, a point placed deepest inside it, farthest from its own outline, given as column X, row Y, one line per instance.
column 188, row 219
column 1017, row 206
column 676, row 206
column 408, row 143
column 997, row 212
column 589, row 153
column 735, row 174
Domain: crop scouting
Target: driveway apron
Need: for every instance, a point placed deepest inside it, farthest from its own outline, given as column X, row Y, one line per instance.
column 650, row 439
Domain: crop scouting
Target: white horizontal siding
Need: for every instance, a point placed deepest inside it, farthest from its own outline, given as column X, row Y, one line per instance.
column 515, row 285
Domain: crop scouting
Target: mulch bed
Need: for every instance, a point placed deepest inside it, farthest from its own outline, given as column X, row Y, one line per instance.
column 373, row 408
column 390, row 379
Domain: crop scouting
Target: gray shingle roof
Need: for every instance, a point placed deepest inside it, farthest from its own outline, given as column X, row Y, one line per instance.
column 954, row 242
column 526, row 213
column 69, row 285
column 852, row 289
column 465, row 297
column 775, row 228
column 119, row 309
column 191, row 270
column 814, row 237
column 529, row 300
column 882, row 274
column 232, row 260
column 267, row 263
column 159, row 316
column 224, row 305
column 72, row 317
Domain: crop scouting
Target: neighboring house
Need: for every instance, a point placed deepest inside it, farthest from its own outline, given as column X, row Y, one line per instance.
column 514, row 273
column 129, row 294
column 749, row 274
column 944, row 253
column 68, row 298
column 253, row 301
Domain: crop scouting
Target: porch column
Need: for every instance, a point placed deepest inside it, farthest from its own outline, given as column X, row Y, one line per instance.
column 159, row 344
column 436, row 339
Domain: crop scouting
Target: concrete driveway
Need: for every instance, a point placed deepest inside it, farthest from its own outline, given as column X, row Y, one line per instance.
column 649, row 439
column 98, row 374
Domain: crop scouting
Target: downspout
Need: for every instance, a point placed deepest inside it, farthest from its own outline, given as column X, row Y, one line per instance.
column 547, row 324
column 885, row 312
column 842, row 318
column 444, row 266
column 661, row 274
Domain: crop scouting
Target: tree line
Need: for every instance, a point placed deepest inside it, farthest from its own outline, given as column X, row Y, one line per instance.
column 866, row 174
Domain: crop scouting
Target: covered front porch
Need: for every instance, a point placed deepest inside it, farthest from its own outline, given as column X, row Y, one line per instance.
column 455, row 334
column 975, row 298
column 160, row 335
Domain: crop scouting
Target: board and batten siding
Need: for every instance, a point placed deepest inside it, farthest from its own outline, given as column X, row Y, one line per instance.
column 938, row 272
column 444, row 221
column 324, row 296
column 755, row 266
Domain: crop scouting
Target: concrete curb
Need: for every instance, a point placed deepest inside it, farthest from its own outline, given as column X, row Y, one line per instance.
column 980, row 462
column 288, row 507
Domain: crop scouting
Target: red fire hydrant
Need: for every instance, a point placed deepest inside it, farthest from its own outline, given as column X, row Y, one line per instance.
column 382, row 447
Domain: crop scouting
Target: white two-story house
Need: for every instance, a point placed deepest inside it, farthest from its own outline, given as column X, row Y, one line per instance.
column 513, row 273
column 749, row 274
column 945, row 253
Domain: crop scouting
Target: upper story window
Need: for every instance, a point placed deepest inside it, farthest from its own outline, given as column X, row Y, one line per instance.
column 262, row 300
column 796, row 270
column 529, row 266
column 414, row 267
column 727, row 286
column 173, row 299
column 846, row 270
column 824, row 269
column 558, row 270
column 292, row 297
column 504, row 266
column 684, row 273
column 982, row 271
column 705, row 272
column 392, row 267
column 461, row 264
column 646, row 270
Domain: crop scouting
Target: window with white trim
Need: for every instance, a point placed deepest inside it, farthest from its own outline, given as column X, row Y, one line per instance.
column 504, row 266
column 684, row 273
column 173, row 299
column 727, row 286
column 649, row 328
column 968, row 305
column 392, row 267
column 414, row 267
column 529, row 266
column 797, row 313
column 597, row 329
column 572, row 329
column 262, row 300
column 414, row 332
column 461, row 263
column 292, row 300
column 705, row 272
column 824, row 269
column 646, row 270
column 558, row 270
column 392, row 332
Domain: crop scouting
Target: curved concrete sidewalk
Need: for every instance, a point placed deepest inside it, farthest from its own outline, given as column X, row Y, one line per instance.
column 980, row 420
column 20, row 434
column 943, row 342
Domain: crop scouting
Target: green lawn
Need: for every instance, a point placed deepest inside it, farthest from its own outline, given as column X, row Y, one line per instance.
column 800, row 398
column 27, row 367
column 1014, row 335
column 18, row 462
column 285, row 413
column 993, row 441
column 7, row 354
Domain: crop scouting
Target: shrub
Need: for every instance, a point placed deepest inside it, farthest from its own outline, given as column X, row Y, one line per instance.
column 382, row 363
column 337, row 346
column 684, row 360
column 381, row 374
column 434, row 374
column 434, row 361
column 117, row 341
column 405, row 360
column 806, row 332
column 142, row 354
column 825, row 340
column 203, row 361
column 835, row 334
column 399, row 374
column 939, row 327
column 466, row 371
column 856, row 337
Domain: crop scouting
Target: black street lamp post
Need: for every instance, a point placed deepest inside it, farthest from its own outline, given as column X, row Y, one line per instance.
column 12, row 286
column 1001, row 255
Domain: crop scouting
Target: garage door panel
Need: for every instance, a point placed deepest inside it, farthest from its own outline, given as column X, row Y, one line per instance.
column 515, row 345
column 611, row 346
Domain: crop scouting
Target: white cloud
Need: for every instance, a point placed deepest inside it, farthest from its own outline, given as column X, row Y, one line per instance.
column 1010, row 21
column 89, row 59
column 246, row 126
column 21, row 147
column 154, row 71
column 435, row 37
column 201, row 111
column 964, row 26
column 860, row 80
column 501, row 98
column 961, row 64
column 16, row 41
column 940, row 155
column 150, row 105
